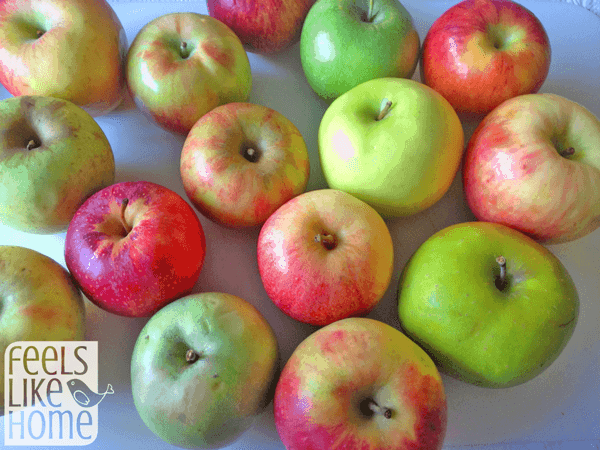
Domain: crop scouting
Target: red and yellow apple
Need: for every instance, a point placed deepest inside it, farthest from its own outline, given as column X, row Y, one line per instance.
column 533, row 164
column 359, row 383
column 482, row 52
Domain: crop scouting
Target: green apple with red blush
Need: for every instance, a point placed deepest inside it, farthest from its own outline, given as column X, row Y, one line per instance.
column 360, row 383
column 203, row 369
column 39, row 301
column 241, row 161
column 182, row 65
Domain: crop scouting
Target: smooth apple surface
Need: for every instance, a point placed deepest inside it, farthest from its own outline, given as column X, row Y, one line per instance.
column 203, row 368
column 344, row 43
column 182, row 65
column 38, row 302
column 490, row 305
column 359, row 383
column 53, row 156
column 324, row 256
column 399, row 160
column 265, row 27
column 133, row 247
column 70, row 49
column 533, row 164
column 241, row 161
column 480, row 53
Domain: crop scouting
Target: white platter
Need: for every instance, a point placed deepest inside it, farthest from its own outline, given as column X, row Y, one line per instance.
column 558, row 409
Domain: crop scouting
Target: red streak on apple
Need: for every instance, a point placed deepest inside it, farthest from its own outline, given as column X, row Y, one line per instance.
column 164, row 60
column 218, row 54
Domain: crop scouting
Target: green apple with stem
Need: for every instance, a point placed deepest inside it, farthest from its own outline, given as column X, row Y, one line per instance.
column 344, row 43
column 38, row 301
column 203, row 368
column 394, row 143
column 53, row 156
column 492, row 306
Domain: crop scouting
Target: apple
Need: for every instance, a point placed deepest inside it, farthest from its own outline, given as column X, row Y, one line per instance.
column 135, row 246
column 202, row 369
column 393, row 143
column 70, row 49
column 38, row 302
column 182, row 65
column 482, row 52
column 491, row 306
column 324, row 256
column 53, row 156
column 533, row 164
column 241, row 161
column 344, row 43
column 265, row 27
column 360, row 383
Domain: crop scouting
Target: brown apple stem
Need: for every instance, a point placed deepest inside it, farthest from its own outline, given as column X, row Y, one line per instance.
column 191, row 356
column 326, row 240
column 501, row 279
column 567, row 152
column 183, row 50
column 39, row 33
column 122, row 217
column 32, row 144
column 370, row 12
column 384, row 110
column 251, row 154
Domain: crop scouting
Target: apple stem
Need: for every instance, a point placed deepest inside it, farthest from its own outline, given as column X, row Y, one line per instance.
column 123, row 221
column 327, row 240
column 370, row 12
column 32, row 144
column 501, row 279
column 251, row 154
column 385, row 108
column 39, row 33
column 567, row 152
column 183, row 50
column 374, row 408
column 191, row 356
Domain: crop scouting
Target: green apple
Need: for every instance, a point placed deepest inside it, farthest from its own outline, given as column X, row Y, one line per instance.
column 203, row 368
column 493, row 307
column 344, row 43
column 38, row 301
column 394, row 143
column 53, row 156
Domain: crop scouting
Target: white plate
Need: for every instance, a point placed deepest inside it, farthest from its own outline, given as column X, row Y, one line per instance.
column 562, row 404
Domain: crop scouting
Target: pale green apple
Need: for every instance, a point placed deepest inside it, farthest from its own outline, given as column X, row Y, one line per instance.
column 481, row 326
column 394, row 143
column 346, row 42
column 53, row 156
column 38, row 301
column 203, row 368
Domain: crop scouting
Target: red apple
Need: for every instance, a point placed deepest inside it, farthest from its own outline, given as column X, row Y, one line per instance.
column 134, row 247
column 182, row 65
column 360, row 384
column 482, row 52
column 533, row 164
column 325, row 255
column 268, row 26
column 240, row 162
column 69, row 49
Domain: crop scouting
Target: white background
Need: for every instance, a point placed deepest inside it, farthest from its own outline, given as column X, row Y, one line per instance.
column 558, row 409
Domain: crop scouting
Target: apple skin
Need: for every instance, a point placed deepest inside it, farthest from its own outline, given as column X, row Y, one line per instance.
column 134, row 273
column 42, row 184
column 211, row 402
column 339, row 49
column 480, row 53
column 80, row 55
column 322, row 394
column 450, row 305
column 514, row 172
column 175, row 86
column 324, row 256
column 265, row 27
column 228, row 184
column 401, row 164
column 38, row 302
